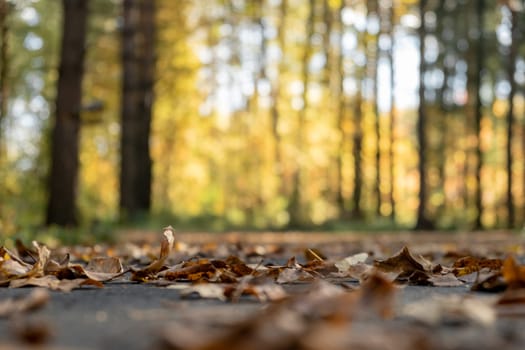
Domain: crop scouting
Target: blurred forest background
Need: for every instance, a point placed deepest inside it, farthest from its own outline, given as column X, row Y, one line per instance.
column 262, row 114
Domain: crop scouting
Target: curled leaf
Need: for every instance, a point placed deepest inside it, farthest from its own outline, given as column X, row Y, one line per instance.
column 168, row 237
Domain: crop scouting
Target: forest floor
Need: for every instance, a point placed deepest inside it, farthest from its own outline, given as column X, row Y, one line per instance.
column 245, row 291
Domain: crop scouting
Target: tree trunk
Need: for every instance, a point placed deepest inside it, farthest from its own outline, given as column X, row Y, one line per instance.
column 373, row 62
column 4, row 12
column 511, row 69
column 360, row 75
column 61, row 208
column 295, row 205
column 393, row 118
column 480, row 9
column 138, row 60
column 341, row 117
column 423, row 222
column 357, row 212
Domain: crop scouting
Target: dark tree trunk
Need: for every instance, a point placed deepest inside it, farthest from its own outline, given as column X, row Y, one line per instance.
column 138, row 60
column 4, row 12
column 480, row 9
column 295, row 209
column 61, row 208
column 374, row 76
column 511, row 69
column 423, row 222
column 393, row 118
column 357, row 211
column 341, row 118
column 360, row 75
column 275, row 95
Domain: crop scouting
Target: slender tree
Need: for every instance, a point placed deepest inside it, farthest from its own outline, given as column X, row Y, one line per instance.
column 295, row 205
column 341, row 115
column 359, row 75
column 423, row 222
column 373, row 68
column 511, row 69
column 393, row 116
column 4, row 11
column 275, row 95
column 478, row 62
column 61, row 207
column 138, row 61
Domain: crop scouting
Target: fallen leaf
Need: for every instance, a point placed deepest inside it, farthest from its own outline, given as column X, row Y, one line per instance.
column 377, row 294
column 356, row 259
column 168, row 238
column 469, row 264
column 103, row 268
column 313, row 254
column 291, row 275
column 190, row 272
column 404, row 262
column 26, row 254
column 489, row 282
column 11, row 266
column 43, row 256
column 204, row 290
column 513, row 273
column 511, row 303
column 53, row 283
column 452, row 309
column 32, row 331
column 34, row 300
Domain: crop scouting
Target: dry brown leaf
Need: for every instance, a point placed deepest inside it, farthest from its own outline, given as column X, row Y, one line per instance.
column 489, row 282
column 511, row 303
column 405, row 262
column 439, row 310
column 168, row 238
column 313, row 254
column 34, row 300
column 513, row 273
column 344, row 265
column 43, row 256
column 26, row 254
column 11, row 266
column 377, row 294
column 469, row 264
column 33, row 331
column 191, row 272
column 53, row 283
column 291, row 275
column 204, row 290
column 238, row 267
column 103, row 268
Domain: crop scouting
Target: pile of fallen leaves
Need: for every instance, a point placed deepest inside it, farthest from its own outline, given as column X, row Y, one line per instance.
column 313, row 300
